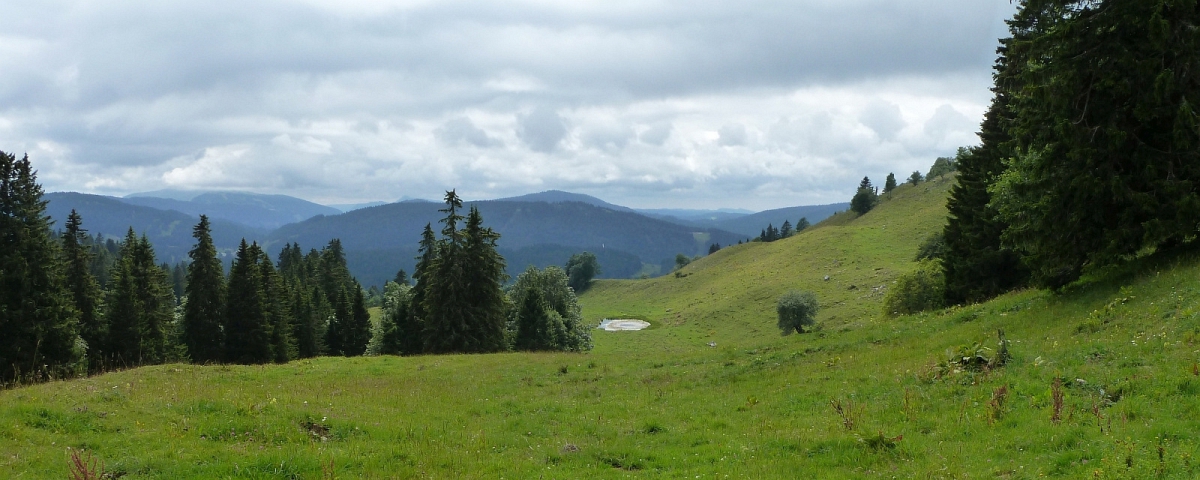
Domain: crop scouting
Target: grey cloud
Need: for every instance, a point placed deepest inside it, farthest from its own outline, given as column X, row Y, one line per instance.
column 883, row 118
column 610, row 137
column 461, row 130
column 732, row 135
column 542, row 130
column 657, row 134
column 946, row 120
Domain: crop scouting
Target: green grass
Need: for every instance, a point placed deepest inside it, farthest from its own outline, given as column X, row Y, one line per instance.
column 664, row 403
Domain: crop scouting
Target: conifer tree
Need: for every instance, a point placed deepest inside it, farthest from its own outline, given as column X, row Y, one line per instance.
column 485, row 279
column 535, row 328
column 890, row 183
column 205, row 298
column 85, row 291
column 277, row 311
column 358, row 329
column 802, row 224
column 38, row 323
column 394, row 329
column 1106, row 136
column 785, row 230
column 247, row 328
column 339, row 323
column 975, row 264
column 560, row 326
column 141, row 307
column 447, row 315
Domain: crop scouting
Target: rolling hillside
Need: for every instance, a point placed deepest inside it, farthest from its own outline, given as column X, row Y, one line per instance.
column 380, row 240
column 1103, row 383
column 170, row 231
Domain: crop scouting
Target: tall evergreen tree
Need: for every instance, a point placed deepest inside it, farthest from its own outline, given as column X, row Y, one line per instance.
column 247, row 328
column 277, row 310
column 38, row 323
column 205, row 298
column 339, row 325
column 485, row 279
column 975, row 263
column 558, row 325
column 85, row 291
column 785, row 230
column 358, row 329
column 141, row 307
column 447, row 322
column 864, row 198
column 1106, row 133
column 535, row 326
column 890, row 183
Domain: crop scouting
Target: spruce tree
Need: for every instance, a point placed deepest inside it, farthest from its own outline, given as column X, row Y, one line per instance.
column 1105, row 129
column 205, row 298
column 278, row 311
column 865, row 198
column 124, row 312
column 802, row 224
column 890, row 183
column 247, row 328
column 561, row 327
column 785, row 231
column 447, row 313
column 485, row 279
column 534, row 328
column 975, row 264
column 339, row 324
column 358, row 329
column 38, row 323
column 85, row 291
column 157, row 303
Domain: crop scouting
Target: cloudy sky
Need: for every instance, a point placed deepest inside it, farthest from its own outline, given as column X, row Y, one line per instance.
column 688, row 104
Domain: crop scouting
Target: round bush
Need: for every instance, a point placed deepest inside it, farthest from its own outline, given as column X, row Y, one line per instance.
column 917, row 291
column 796, row 310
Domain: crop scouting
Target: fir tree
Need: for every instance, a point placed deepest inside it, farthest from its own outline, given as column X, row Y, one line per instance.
column 205, row 293
column 38, row 323
column 890, row 183
column 335, row 334
column 358, row 329
column 785, row 230
column 277, row 311
column 401, row 277
column 85, row 291
column 865, row 198
column 802, row 224
column 247, row 328
column 975, row 264
column 141, row 306
column 485, row 277
column 535, row 328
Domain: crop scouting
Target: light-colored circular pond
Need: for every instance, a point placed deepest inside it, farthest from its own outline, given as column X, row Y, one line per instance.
column 619, row 325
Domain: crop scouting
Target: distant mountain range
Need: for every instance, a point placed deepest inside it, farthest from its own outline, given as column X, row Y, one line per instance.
column 538, row 229
column 250, row 209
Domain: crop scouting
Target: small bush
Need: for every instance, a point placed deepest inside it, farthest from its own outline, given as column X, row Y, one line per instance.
column 920, row 290
column 796, row 310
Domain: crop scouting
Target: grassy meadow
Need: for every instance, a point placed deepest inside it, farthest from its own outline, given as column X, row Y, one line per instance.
column 1103, row 383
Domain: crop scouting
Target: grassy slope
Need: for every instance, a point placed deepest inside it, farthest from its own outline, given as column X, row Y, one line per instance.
column 663, row 403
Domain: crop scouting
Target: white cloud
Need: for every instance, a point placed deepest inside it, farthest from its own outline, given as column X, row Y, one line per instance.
column 637, row 102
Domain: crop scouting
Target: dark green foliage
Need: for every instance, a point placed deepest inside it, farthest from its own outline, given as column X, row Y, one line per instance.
column 546, row 313
column 339, row 325
column 357, row 333
column 915, row 178
column 785, row 230
column 865, row 198
column 401, row 277
column 943, row 165
column 890, row 183
column 38, row 322
column 85, row 291
column 205, row 293
column 399, row 334
column 463, row 304
column 248, row 329
column 796, row 310
column 582, row 268
column 975, row 263
column 1105, row 133
column 714, row 248
column 802, row 224
column 917, row 291
column 933, row 248
column 141, row 306
column 682, row 260
column 277, row 310
column 537, row 325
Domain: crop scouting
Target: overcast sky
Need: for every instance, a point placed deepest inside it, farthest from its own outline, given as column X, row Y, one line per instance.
column 688, row 104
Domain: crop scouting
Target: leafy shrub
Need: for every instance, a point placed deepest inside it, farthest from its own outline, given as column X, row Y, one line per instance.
column 933, row 248
column 796, row 310
column 920, row 290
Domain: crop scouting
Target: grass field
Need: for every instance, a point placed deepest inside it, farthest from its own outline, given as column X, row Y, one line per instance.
column 711, row 390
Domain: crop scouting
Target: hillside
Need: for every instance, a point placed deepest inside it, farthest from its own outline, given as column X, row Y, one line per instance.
column 384, row 238
column 170, row 231
column 710, row 390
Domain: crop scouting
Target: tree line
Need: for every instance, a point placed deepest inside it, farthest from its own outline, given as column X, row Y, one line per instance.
column 72, row 304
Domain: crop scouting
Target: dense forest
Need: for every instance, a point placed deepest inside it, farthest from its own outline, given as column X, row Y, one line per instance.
column 73, row 304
